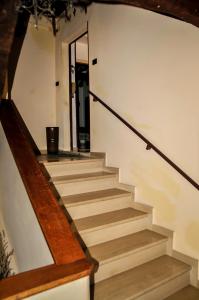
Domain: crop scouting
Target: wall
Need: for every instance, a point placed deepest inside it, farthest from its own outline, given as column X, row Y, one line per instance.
column 82, row 51
column 34, row 84
column 148, row 72
column 21, row 225
column 75, row 290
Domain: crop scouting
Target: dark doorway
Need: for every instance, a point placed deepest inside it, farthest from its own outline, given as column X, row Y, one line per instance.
column 79, row 97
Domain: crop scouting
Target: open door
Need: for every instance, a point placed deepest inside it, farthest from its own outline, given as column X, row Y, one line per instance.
column 79, row 97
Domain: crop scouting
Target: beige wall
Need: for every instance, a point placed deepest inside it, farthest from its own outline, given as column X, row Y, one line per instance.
column 20, row 223
column 34, row 85
column 75, row 290
column 148, row 72
column 82, row 51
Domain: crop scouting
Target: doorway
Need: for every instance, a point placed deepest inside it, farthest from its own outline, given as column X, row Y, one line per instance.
column 79, row 94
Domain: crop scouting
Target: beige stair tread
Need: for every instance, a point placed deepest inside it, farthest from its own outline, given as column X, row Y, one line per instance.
column 80, row 177
column 102, row 220
column 188, row 293
column 68, row 160
column 73, row 200
column 122, row 246
column 142, row 279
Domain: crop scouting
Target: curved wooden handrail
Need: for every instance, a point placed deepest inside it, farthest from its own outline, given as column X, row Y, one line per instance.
column 63, row 245
column 149, row 145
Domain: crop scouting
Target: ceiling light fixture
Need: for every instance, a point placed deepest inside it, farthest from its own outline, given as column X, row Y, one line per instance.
column 51, row 9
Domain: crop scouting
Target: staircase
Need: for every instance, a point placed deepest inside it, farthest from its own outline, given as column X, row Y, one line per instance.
column 133, row 257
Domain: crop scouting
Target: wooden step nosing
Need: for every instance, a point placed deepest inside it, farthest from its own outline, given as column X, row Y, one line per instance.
column 98, row 199
column 65, row 181
column 159, row 283
column 132, row 252
column 124, row 221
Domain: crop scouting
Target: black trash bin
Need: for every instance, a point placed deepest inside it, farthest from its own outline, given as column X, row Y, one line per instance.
column 52, row 137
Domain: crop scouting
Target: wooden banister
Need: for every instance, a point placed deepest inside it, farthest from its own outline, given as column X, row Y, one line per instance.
column 35, row 281
column 25, row 130
column 149, row 145
column 63, row 245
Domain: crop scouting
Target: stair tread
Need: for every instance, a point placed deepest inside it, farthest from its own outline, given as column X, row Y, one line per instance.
column 188, row 293
column 139, row 280
column 118, row 216
column 79, row 177
column 73, row 200
column 49, row 161
column 123, row 245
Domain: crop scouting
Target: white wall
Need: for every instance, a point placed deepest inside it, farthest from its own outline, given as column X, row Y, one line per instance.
column 21, row 225
column 148, row 72
column 75, row 290
column 34, row 84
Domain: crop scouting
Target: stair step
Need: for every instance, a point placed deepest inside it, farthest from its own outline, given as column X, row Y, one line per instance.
column 107, row 219
column 71, row 160
column 86, row 182
column 108, row 226
column 188, row 293
column 97, row 202
column 74, row 166
column 82, row 177
column 154, row 280
column 122, row 246
column 129, row 251
column 95, row 196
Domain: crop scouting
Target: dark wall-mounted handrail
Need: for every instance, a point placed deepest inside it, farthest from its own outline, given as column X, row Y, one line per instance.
column 149, row 145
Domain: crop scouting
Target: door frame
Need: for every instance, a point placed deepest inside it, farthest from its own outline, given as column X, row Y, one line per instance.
column 70, row 89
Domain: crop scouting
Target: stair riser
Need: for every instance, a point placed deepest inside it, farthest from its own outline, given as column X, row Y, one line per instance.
column 132, row 260
column 99, row 207
column 85, row 186
column 112, row 232
column 75, row 168
column 167, row 289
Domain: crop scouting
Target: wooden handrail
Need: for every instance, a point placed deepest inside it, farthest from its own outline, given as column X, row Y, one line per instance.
column 149, row 145
column 63, row 245
column 26, row 131
column 35, row 281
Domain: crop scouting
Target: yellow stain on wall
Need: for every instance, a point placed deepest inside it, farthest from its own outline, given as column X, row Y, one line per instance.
column 162, row 176
column 192, row 235
column 43, row 39
column 158, row 198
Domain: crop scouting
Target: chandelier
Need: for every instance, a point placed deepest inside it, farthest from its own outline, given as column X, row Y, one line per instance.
column 51, row 9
